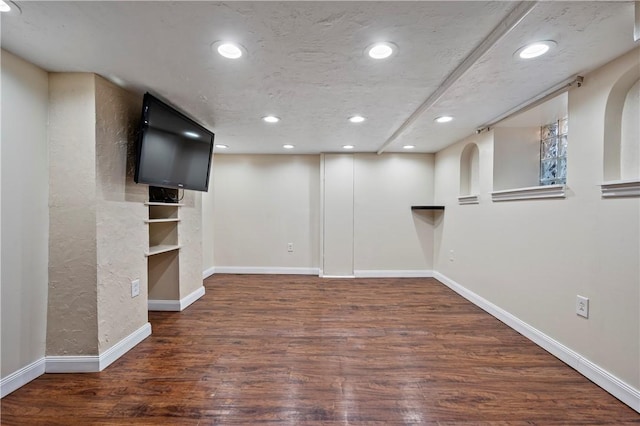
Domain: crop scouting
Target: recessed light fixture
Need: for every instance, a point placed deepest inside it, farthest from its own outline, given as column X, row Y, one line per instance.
column 443, row 119
column 348, row 146
column 271, row 119
column 228, row 49
column 408, row 147
column 536, row 49
column 381, row 50
column 288, row 146
column 8, row 7
column 357, row 119
column 221, row 146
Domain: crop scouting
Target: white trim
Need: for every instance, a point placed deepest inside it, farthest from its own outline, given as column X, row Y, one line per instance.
column 621, row 188
column 468, row 199
column 96, row 363
column 391, row 273
column 337, row 276
column 208, row 272
column 123, row 346
column 266, row 270
column 163, row 305
column 21, row 377
column 175, row 305
column 530, row 193
column 192, row 297
column 616, row 387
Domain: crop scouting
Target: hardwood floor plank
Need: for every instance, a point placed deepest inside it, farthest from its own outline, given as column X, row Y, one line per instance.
column 300, row 350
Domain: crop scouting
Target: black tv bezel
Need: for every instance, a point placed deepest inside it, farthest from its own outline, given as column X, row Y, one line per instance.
column 144, row 126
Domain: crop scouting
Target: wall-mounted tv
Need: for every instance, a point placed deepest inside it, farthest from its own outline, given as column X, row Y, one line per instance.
column 173, row 150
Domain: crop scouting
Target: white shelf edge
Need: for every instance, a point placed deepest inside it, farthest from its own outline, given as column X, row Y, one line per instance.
column 530, row 193
column 468, row 199
column 173, row 219
column 150, row 203
column 161, row 249
column 620, row 188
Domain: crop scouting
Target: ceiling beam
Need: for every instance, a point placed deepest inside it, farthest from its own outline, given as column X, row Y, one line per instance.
column 513, row 18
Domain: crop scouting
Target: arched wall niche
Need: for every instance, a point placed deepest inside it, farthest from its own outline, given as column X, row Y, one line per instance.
column 470, row 170
column 621, row 144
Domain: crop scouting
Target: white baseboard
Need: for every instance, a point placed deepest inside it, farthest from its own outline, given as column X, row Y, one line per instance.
column 391, row 273
column 616, row 387
column 337, row 276
column 95, row 363
column 265, row 270
column 21, row 377
column 175, row 305
column 208, row 272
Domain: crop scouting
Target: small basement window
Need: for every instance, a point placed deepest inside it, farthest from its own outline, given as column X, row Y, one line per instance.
column 553, row 152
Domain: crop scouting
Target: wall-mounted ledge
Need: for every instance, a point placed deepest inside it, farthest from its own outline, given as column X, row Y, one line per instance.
column 621, row 188
column 468, row 199
column 530, row 193
column 427, row 207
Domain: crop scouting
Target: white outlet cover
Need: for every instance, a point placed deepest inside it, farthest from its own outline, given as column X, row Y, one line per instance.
column 582, row 306
column 135, row 288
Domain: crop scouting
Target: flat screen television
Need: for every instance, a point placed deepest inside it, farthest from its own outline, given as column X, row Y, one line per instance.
column 173, row 150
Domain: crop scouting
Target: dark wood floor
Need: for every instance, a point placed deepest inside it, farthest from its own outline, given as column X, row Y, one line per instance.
column 305, row 351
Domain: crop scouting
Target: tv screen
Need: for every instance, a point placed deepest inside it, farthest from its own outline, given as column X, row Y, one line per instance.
column 173, row 150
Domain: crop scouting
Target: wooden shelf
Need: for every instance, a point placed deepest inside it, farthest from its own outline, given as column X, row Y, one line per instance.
column 153, row 250
column 427, row 207
column 172, row 219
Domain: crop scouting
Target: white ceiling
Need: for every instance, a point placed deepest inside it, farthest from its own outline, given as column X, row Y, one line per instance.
column 306, row 62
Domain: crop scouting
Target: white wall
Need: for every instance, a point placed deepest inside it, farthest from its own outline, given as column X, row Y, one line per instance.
column 25, row 218
column 207, row 224
column 516, row 157
column 630, row 134
column 261, row 203
column 387, row 234
column 531, row 258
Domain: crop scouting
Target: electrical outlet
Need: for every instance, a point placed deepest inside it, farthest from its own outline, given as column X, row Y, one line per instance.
column 451, row 256
column 135, row 288
column 582, row 306
column 290, row 247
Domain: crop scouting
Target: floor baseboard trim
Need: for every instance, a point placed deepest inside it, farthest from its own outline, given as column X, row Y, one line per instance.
column 392, row 273
column 96, row 363
column 337, row 276
column 21, row 377
column 175, row 305
column 208, row 272
column 123, row 346
column 607, row 381
column 265, row 270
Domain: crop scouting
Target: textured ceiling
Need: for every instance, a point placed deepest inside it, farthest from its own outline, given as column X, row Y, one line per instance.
column 306, row 64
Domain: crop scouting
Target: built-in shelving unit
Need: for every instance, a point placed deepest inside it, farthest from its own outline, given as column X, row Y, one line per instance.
column 164, row 250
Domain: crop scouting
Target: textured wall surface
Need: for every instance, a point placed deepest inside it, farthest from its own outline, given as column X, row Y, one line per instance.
column 121, row 234
column 190, row 238
column 72, row 323
column 25, row 216
column 532, row 258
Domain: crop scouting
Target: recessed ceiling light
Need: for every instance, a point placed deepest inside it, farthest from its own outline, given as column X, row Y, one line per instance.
column 221, row 146
column 408, row 147
column 228, row 49
column 287, row 146
column 443, row 119
column 348, row 146
column 271, row 119
column 381, row 50
column 357, row 119
column 536, row 49
column 7, row 7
